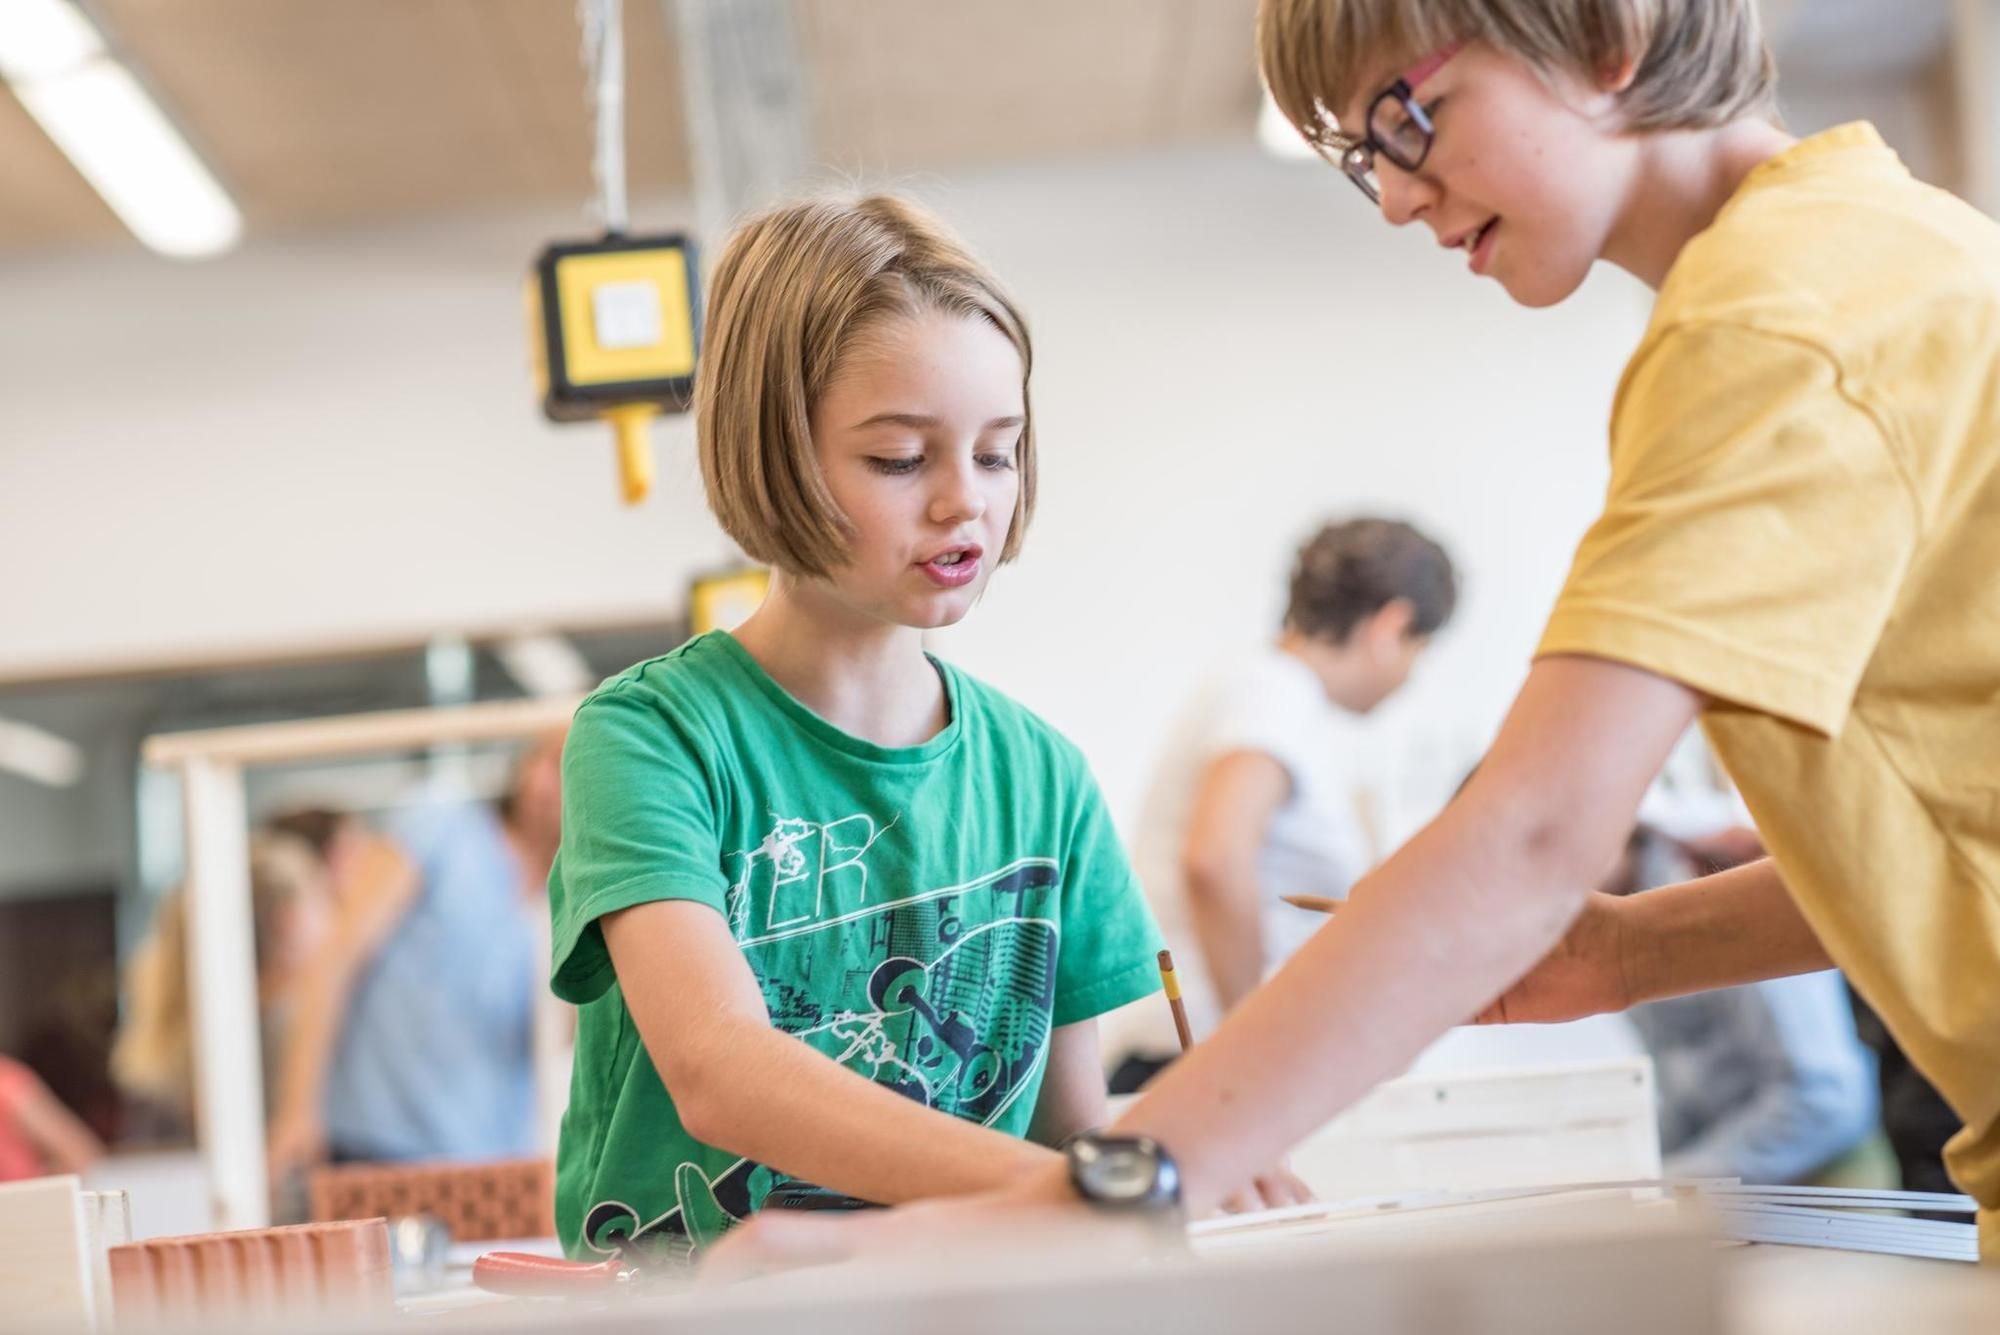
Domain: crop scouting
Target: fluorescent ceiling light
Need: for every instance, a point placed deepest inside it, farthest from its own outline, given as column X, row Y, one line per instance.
column 1277, row 136
column 34, row 753
column 115, row 134
column 40, row 39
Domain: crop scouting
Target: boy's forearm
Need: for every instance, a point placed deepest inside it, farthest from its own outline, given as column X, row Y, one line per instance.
column 1436, row 934
column 780, row 1103
column 1738, row 926
column 1424, row 943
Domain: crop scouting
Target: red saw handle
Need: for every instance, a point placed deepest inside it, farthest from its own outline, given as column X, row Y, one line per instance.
column 526, row 1275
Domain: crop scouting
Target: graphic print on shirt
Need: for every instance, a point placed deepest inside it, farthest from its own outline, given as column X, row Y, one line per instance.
column 943, row 994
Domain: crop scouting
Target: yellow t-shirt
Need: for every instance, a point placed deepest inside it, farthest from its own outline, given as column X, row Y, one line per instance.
column 1803, row 523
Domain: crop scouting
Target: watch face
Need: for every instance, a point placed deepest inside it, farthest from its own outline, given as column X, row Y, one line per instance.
column 1124, row 1171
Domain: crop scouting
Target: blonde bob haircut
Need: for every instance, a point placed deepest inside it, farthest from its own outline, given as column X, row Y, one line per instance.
column 795, row 290
column 1697, row 63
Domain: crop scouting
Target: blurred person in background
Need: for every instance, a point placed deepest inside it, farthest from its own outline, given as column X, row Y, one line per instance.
column 152, row 1059
column 38, row 1135
column 415, row 1026
column 1254, row 797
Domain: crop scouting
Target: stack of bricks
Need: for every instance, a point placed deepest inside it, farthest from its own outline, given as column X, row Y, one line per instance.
column 478, row 1202
column 300, row 1270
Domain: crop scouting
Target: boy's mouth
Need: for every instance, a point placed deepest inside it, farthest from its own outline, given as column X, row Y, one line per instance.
column 1479, row 244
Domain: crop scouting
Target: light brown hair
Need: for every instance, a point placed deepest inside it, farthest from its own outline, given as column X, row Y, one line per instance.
column 793, row 291
column 153, row 1057
column 1697, row 63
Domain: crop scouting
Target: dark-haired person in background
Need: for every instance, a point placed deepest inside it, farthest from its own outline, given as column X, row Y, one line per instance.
column 1254, row 798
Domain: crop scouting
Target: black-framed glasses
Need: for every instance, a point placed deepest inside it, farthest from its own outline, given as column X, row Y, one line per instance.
column 1397, row 127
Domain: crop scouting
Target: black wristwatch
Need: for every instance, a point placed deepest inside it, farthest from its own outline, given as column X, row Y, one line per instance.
column 1125, row 1173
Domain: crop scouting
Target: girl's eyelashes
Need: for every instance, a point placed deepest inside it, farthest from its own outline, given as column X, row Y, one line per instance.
column 901, row 465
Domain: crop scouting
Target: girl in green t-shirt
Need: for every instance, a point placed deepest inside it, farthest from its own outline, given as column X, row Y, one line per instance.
column 839, row 918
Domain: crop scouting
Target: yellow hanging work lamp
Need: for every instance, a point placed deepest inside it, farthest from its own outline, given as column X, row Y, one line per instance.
column 614, row 322
column 615, row 328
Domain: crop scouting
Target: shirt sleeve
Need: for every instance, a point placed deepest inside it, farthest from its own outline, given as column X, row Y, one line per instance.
column 1756, row 532
column 639, row 824
column 1260, row 713
column 1110, row 945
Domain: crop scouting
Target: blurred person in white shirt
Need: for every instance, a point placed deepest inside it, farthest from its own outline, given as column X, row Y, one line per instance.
column 1254, row 797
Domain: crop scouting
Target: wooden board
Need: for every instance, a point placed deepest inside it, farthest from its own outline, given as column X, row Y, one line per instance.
column 1583, row 1122
column 46, row 1267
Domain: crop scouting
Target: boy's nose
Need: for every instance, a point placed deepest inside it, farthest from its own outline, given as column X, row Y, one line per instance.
column 1406, row 196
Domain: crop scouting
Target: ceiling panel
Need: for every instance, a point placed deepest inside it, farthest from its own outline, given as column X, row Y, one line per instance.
column 902, row 84
column 43, row 201
column 317, row 113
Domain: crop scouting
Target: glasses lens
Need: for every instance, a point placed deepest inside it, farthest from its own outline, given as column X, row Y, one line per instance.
column 1400, row 129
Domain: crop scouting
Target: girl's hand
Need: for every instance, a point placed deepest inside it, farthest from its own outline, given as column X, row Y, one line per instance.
column 1040, row 1207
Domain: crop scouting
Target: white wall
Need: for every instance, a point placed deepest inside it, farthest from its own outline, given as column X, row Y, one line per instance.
column 327, row 439
column 312, row 442
column 1230, row 349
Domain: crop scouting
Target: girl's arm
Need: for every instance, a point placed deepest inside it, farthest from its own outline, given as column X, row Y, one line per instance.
column 1072, row 1097
column 750, row 1089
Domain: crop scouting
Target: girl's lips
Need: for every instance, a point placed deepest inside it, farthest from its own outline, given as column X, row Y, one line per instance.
column 955, row 575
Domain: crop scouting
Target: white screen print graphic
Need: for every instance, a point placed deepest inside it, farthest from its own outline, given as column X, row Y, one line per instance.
column 792, row 872
column 944, row 994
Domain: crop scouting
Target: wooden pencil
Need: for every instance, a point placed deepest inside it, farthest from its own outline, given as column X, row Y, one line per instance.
column 1313, row 903
column 1172, row 983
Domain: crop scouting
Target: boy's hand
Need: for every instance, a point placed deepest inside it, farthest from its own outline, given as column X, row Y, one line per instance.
column 1583, row 975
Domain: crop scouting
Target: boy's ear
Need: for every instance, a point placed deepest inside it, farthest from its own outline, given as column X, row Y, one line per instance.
column 1617, row 78
column 1392, row 621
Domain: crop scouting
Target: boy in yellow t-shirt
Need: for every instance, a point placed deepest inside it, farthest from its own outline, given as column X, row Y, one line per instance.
column 1800, row 545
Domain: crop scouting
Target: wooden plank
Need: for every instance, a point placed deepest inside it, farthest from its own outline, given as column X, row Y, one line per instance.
column 107, row 1223
column 222, row 964
column 361, row 734
column 1532, row 1127
column 46, row 1270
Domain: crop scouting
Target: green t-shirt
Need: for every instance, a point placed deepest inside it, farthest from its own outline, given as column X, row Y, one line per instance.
column 923, row 915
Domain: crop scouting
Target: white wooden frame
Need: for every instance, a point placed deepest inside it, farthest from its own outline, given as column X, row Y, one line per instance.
column 222, row 967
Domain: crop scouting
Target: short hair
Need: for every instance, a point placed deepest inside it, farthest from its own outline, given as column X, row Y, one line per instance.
column 1349, row 571
column 793, row 291
column 1698, row 63
column 316, row 827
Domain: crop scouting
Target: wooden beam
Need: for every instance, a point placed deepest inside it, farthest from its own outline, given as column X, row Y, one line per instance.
column 361, row 734
column 222, row 968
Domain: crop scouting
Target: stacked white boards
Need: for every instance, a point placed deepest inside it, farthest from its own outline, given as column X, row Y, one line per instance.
column 1886, row 1222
